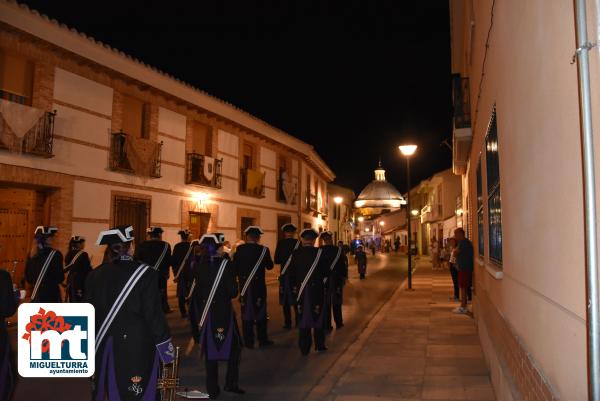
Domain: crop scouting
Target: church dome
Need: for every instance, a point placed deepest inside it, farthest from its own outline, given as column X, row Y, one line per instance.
column 379, row 194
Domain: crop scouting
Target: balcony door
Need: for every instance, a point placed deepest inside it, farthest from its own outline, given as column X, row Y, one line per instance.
column 132, row 211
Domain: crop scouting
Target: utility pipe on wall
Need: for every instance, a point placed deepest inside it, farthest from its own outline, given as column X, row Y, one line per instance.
column 589, row 192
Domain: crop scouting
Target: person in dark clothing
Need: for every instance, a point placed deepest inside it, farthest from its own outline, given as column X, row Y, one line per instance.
column 250, row 262
column 189, row 274
column 308, row 271
column 157, row 253
column 337, row 279
column 133, row 339
column 181, row 254
column 78, row 265
column 283, row 254
column 452, row 267
column 361, row 261
column 44, row 270
column 220, row 335
column 464, row 264
column 9, row 300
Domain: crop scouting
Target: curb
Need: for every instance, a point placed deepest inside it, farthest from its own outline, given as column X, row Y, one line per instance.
column 322, row 389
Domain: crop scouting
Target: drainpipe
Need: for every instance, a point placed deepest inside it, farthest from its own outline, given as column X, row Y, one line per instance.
column 589, row 191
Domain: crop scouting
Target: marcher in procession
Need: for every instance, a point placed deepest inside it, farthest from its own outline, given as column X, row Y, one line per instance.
column 189, row 273
column 157, row 253
column 250, row 261
column 181, row 254
column 338, row 274
column 9, row 300
column 361, row 261
column 307, row 276
column 132, row 336
column 283, row 254
column 220, row 336
column 44, row 268
column 78, row 265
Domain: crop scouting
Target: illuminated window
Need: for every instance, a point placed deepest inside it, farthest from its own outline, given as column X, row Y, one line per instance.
column 493, row 190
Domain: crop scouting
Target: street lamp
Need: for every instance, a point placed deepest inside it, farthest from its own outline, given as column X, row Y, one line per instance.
column 407, row 151
column 338, row 200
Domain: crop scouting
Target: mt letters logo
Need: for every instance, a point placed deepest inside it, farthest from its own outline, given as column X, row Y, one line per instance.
column 56, row 340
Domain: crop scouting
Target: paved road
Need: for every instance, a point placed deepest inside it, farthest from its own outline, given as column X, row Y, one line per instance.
column 276, row 373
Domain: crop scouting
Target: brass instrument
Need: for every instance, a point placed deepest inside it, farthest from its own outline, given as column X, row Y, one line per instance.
column 168, row 382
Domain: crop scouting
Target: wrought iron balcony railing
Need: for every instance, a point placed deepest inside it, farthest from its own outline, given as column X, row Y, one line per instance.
column 135, row 155
column 31, row 133
column 252, row 183
column 461, row 101
column 203, row 170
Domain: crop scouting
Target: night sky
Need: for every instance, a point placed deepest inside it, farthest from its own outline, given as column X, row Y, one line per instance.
column 354, row 80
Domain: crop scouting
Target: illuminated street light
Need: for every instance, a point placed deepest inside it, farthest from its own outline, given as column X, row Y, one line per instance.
column 382, row 223
column 361, row 219
column 414, row 212
column 338, row 200
column 367, row 229
column 407, row 151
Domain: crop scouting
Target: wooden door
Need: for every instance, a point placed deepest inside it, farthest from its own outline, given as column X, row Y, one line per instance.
column 198, row 224
column 134, row 212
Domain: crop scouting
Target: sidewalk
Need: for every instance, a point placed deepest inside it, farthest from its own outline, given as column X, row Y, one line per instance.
column 415, row 348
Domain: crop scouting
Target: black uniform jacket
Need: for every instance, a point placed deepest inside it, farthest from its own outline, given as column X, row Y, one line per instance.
column 221, row 308
column 48, row 290
column 284, row 250
column 78, row 271
column 302, row 260
column 338, row 275
column 179, row 251
column 8, row 304
column 244, row 260
column 149, row 252
column 139, row 326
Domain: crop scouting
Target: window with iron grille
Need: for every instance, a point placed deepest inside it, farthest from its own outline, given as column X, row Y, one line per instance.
column 479, row 211
column 134, row 212
column 493, row 190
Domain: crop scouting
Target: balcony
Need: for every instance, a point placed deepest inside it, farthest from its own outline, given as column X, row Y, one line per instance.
column 134, row 155
column 426, row 214
column 462, row 134
column 287, row 190
column 252, row 183
column 203, row 170
column 25, row 129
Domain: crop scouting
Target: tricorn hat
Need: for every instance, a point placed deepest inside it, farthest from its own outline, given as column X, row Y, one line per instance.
column 154, row 230
column 289, row 228
column 77, row 238
column 254, row 230
column 184, row 233
column 214, row 238
column 115, row 235
column 46, row 231
column 309, row 233
column 326, row 234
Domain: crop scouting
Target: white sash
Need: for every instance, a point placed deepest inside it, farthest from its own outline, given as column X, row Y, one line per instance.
column 309, row 274
column 213, row 290
column 287, row 263
column 192, row 288
column 253, row 272
column 42, row 274
column 162, row 256
column 337, row 257
column 183, row 262
column 116, row 307
column 77, row 255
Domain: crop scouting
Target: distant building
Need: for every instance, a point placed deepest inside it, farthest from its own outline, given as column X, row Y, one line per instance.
column 379, row 196
column 341, row 216
column 93, row 138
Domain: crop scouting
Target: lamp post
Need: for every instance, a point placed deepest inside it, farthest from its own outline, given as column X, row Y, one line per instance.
column 338, row 201
column 407, row 151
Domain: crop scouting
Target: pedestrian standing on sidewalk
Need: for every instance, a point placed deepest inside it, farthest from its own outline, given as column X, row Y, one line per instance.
column 464, row 263
column 452, row 267
column 361, row 261
column 435, row 253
